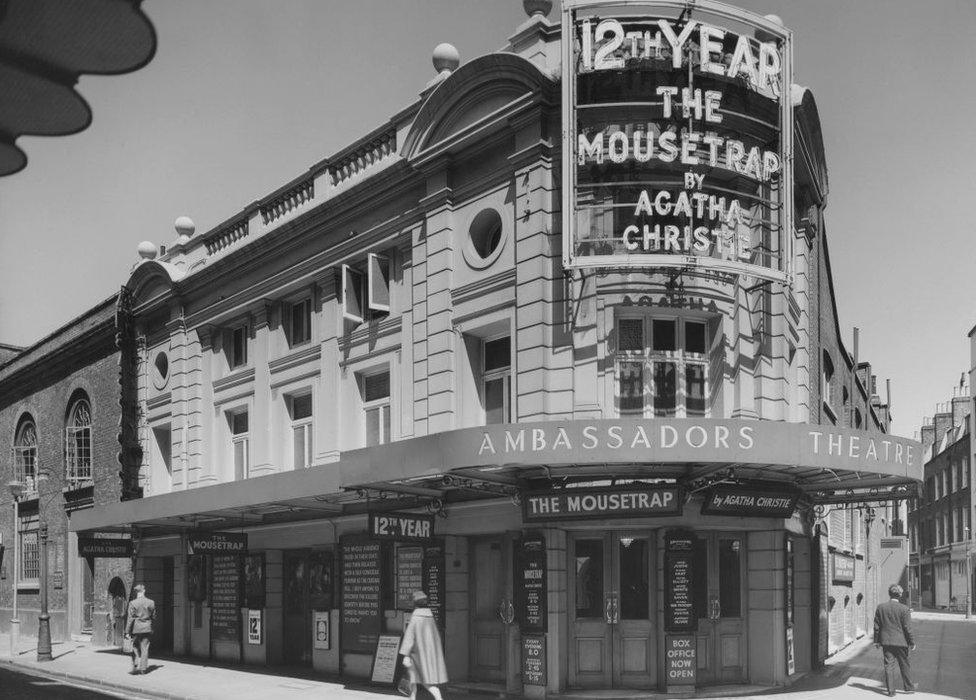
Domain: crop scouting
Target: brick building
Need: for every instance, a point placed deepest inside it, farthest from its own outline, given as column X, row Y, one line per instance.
column 592, row 429
column 940, row 517
column 59, row 418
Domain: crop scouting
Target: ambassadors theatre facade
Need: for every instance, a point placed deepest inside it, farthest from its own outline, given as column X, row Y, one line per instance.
column 556, row 343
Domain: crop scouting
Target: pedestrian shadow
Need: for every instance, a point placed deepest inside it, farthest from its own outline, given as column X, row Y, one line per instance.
column 152, row 667
column 880, row 690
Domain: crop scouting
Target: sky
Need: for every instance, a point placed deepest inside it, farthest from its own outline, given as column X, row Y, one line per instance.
column 243, row 96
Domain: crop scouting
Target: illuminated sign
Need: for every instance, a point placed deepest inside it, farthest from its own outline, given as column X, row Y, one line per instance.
column 636, row 500
column 677, row 129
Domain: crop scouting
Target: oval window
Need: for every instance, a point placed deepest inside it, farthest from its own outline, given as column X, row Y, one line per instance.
column 160, row 370
column 486, row 232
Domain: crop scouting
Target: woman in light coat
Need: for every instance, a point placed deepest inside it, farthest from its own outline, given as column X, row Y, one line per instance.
column 423, row 655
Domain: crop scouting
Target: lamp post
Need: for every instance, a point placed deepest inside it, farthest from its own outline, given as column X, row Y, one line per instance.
column 43, row 619
column 969, row 576
column 16, row 488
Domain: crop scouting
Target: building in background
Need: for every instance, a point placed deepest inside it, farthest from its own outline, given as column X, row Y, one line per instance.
column 601, row 411
column 59, row 418
column 940, row 516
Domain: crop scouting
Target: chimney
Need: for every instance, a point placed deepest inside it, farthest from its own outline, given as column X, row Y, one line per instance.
column 943, row 424
column 928, row 435
column 960, row 409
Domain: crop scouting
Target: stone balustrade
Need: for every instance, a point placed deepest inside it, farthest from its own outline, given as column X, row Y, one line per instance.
column 287, row 201
column 227, row 236
column 359, row 159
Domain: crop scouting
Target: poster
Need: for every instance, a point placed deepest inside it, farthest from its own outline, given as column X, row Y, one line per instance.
column 385, row 658
column 254, row 581
column 681, row 662
column 225, row 598
column 534, row 660
column 361, row 613
column 254, row 627
column 790, row 659
column 196, row 581
column 531, row 574
column 321, row 630
column 295, row 581
column 434, row 583
column 320, row 577
column 679, row 607
column 409, row 575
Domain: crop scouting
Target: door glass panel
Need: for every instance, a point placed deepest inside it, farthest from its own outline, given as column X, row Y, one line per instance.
column 589, row 578
column 633, row 578
column 730, row 576
column 665, row 389
column 630, row 378
column 695, row 388
column 700, row 577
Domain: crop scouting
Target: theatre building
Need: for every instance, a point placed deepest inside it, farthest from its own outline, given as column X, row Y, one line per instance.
column 557, row 343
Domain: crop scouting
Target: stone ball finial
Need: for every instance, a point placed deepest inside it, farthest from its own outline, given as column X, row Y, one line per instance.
column 148, row 250
column 537, row 7
column 445, row 58
column 184, row 226
column 775, row 19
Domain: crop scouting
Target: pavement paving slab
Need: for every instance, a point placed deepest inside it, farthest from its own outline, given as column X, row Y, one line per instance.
column 944, row 666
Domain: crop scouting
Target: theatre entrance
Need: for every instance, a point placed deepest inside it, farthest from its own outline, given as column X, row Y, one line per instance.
column 611, row 594
column 492, row 609
column 720, row 595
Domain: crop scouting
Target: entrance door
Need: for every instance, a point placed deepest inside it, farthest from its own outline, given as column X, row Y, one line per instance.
column 612, row 608
column 163, row 626
column 720, row 595
column 87, row 595
column 492, row 608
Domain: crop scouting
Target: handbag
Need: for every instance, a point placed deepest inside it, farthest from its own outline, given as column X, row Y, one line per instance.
column 126, row 645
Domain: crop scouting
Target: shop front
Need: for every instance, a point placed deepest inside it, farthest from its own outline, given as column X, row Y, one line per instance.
column 649, row 554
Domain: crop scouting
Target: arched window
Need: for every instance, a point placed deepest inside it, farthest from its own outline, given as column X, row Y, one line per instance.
column 25, row 453
column 77, row 440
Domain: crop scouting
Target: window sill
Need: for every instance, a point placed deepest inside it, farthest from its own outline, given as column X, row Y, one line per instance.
column 29, row 587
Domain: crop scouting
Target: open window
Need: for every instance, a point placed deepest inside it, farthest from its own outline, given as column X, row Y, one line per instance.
column 378, row 282
column 353, row 307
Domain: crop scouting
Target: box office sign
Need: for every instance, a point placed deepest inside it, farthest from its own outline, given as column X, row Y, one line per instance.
column 677, row 137
column 749, row 502
column 217, row 543
column 401, row 527
column 617, row 502
column 681, row 665
column 843, row 568
column 105, row 547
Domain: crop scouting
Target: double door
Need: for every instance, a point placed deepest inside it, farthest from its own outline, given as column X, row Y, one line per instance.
column 719, row 589
column 612, row 611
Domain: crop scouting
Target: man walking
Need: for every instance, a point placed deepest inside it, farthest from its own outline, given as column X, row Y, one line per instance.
column 142, row 612
column 893, row 633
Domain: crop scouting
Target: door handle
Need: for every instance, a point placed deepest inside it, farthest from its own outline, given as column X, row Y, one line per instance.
column 608, row 610
column 616, row 609
column 506, row 611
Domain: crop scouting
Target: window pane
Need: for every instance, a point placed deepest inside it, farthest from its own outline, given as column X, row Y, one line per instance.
column 239, row 347
column 630, row 333
column 729, row 577
column 498, row 354
column 376, row 386
column 239, row 423
column 495, row 401
column 301, row 321
column 695, row 388
column 665, row 395
column 630, row 387
column 385, row 412
column 589, row 578
column 664, row 334
column 694, row 337
column 633, row 578
column 699, row 594
column 240, row 459
column 301, row 407
column 298, row 441
column 372, row 427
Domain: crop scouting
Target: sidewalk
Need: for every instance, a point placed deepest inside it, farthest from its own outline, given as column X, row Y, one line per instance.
column 944, row 666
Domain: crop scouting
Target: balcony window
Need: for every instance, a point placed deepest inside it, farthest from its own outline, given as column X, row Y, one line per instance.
column 300, row 409
column 25, row 455
column 239, row 436
column 237, row 352
column 376, row 404
column 300, row 322
column 496, row 380
column 827, row 384
column 77, row 442
column 661, row 367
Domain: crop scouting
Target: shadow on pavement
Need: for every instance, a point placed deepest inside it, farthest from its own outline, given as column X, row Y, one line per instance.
column 873, row 688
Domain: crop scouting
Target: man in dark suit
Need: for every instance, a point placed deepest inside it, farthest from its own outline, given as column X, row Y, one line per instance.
column 893, row 633
column 142, row 612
